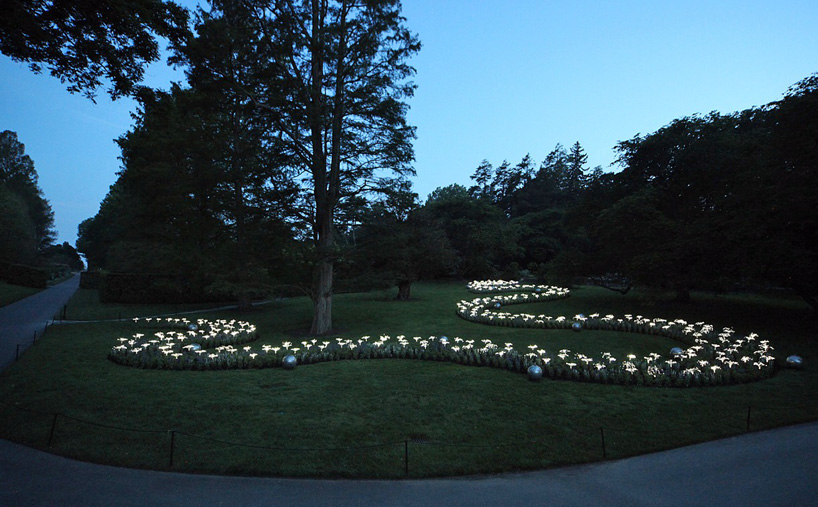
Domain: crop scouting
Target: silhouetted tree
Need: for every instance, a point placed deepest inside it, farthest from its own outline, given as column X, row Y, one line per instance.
column 89, row 42
column 19, row 178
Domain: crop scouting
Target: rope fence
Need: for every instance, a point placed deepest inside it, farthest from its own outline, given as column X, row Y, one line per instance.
column 173, row 449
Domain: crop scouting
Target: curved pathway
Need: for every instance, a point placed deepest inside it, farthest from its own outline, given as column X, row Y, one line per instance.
column 775, row 467
column 767, row 468
column 21, row 320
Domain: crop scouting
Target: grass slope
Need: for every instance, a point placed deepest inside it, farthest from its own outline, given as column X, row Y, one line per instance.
column 11, row 293
column 354, row 418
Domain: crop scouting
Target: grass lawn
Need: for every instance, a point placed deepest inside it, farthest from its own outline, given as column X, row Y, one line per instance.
column 359, row 418
column 85, row 305
column 11, row 293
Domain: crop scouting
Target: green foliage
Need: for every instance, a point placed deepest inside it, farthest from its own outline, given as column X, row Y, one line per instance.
column 84, row 42
column 147, row 288
column 27, row 213
column 476, row 229
column 17, row 237
column 396, row 242
column 64, row 254
column 27, row 276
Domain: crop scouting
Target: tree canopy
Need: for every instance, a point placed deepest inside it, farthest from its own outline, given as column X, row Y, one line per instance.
column 27, row 221
column 89, row 43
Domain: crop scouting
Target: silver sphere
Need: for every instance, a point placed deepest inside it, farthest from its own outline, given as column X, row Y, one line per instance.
column 576, row 326
column 795, row 362
column 193, row 327
column 534, row 373
column 195, row 346
column 581, row 316
column 538, row 289
column 676, row 352
column 497, row 305
column 444, row 340
column 289, row 362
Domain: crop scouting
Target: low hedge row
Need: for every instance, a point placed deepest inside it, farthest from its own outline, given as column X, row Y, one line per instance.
column 146, row 288
column 27, row 276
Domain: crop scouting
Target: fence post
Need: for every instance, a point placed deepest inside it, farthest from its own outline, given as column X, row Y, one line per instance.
column 604, row 450
column 172, row 442
column 34, row 341
column 406, row 457
column 53, row 427
column 17, row 354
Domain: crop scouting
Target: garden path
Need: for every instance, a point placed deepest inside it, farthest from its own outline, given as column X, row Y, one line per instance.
column 774, row 467
column 21, row 320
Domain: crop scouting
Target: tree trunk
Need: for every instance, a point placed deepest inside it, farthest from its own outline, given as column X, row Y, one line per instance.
column 245, row 303
column 323, row 192
column 322, row 299
column 404, row 288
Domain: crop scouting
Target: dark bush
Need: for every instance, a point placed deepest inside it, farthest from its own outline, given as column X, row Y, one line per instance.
column 91, row 279
column 27, row 276
column 139, row 288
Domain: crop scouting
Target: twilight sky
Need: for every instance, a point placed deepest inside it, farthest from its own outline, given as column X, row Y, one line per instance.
column 496, row 80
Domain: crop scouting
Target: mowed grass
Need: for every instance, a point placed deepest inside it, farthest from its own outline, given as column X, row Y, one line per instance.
column 359, row 418
column 11, row 293
column 85, row 305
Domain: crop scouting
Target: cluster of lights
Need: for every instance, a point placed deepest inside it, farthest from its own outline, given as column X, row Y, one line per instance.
column 715, row 355
column 710, row 352
column 494, row 286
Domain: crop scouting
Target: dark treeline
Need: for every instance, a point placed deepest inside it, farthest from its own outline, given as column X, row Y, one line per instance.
column 713, row 202
column 26, row 220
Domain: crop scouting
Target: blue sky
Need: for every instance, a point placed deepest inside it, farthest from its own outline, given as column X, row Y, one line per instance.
column 496, row 80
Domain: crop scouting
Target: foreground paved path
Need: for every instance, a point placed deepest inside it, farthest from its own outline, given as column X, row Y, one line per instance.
column 768, row 468
column 21, row 319
column 778, row 467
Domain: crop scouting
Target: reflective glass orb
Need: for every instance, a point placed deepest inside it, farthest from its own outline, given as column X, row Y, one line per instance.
column 497, row 305
column 676, row 351
column 534, row 373
column 795, row 362
column 195, row 346
column 289, row 362
column 576, row 326
column 193, row 327
column 444, row 340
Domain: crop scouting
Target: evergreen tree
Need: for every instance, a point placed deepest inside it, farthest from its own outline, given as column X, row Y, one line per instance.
column 22, row 191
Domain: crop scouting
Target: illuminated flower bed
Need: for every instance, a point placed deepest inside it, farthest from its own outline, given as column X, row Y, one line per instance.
column 711, row 357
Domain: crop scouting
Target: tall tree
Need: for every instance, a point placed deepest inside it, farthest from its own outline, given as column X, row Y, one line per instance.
column 18, row 176
column 17, row 241
column 250, row 187
column 575, row 177
column 483, row 177
column 337, row 100
column 509, row 180
column 792, row 180
column 88, row 42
